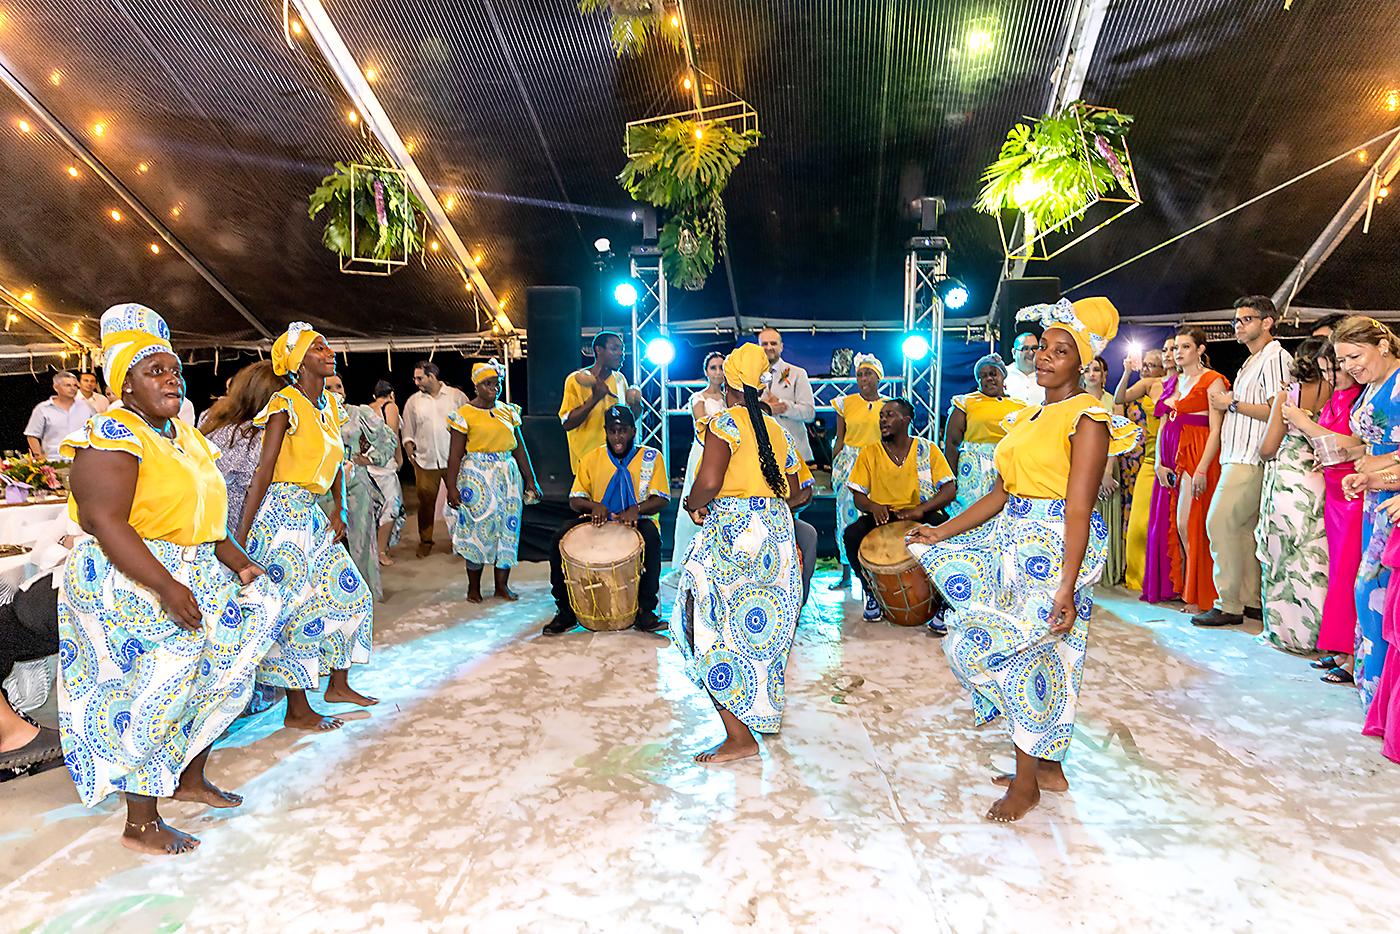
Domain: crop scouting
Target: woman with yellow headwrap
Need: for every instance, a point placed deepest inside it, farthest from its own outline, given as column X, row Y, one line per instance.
column 492, row 473
column 857, row 424
column 163, row 618
column 330, row 609
column 740, row 587
column 1018, row 566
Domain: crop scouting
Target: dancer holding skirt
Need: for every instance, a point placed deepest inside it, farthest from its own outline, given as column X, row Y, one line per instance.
column 1018, row 567
column 329, row 607
column 162, row 617
column 740, row 588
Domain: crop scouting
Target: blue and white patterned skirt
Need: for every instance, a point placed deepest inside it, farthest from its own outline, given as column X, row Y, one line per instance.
column 330, row 611
column 846, row 511
column 743, row 578
column 977, row 473
column 1000, row 581
column 487, row 528
column 138, row 696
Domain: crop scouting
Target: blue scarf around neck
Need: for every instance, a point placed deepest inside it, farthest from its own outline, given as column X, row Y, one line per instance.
column 620, row 495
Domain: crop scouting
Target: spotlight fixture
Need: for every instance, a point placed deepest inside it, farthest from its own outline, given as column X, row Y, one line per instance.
column 660, row 351
column 953, row 293
column 625, row 294
column 915, row 347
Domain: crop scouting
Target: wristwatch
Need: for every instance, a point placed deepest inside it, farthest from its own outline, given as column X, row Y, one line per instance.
column 1234, row 407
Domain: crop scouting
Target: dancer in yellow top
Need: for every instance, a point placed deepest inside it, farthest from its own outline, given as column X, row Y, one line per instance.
column 974, row 428
column 491, row 474
column 857, row 424
column 1018, row 566
column 740, row 588
column 330, row 609
column 163, row 618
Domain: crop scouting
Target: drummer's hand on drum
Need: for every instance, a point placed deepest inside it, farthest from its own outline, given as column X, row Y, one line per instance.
column 924, row 535
column 881, row 514
column 598, row 514
column 628, row 517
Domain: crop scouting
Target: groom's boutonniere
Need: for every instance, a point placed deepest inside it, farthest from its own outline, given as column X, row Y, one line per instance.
column 783, row 378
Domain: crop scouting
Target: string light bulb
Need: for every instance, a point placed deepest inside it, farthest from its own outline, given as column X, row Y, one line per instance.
column 143, row 167
column 72, row 171
column 176, row 211
column 74, row 329
column 687, row 83
column 435, row 246
column 1383, row 193
column 99, row 129
column 296, row 26
column 1392, row 100
column 449, row 203
column 371, row 75
column 477, row 259
column 55, row 77
column 1362, row 156
column 27, row 297
column 675, row 22
column 115, row 215
column 352, row 115
column 410, row 145
column 699, row 133
column 24, row 126
column 155, row 248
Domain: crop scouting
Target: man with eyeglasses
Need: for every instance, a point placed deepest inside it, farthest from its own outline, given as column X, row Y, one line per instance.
column 1234, row 511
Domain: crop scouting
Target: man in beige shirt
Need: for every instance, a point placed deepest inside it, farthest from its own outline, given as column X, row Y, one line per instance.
column 426, row 442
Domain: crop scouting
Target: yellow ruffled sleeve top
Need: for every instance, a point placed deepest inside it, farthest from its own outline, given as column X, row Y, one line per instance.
column 862, row 418
column 488, row 431
column 180, row 495
column 984, row 416
column 312, row 449
column 1033, row 458
column 744, row 476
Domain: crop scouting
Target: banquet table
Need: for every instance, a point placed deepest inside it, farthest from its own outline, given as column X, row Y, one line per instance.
column 37, row 526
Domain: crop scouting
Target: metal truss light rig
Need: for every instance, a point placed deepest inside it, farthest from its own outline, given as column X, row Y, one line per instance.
column 925, row 271
column 650, row 324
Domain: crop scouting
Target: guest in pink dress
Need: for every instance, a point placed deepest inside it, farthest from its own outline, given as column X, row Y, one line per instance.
column 1163, row 561
column 1341, row 518
column 1383, row 716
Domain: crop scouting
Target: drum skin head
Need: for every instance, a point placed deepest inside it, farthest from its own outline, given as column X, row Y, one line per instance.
column 884, row 547
column 601, row 544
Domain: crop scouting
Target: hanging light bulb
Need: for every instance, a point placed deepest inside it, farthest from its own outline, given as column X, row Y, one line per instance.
column 155, row 248
column 371, row 75
column 99, row 128
column 449, row 203
column 477, row 259
column 72, row 171
column 143, row 167
column 352, row 115
column 435, row 246
column 55, row 77
column 24, row 126
column 115, row 215
column 27, row 297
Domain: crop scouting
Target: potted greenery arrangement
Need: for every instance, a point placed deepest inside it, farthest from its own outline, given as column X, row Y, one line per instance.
column 374, row 222
column 635, row 21
column 683, row 166
column 1054, row 168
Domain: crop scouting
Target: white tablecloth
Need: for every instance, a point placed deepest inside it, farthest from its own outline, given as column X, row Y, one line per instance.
column 29, row 683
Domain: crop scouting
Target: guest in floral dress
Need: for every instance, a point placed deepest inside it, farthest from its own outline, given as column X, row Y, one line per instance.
column 229, row 424
column 368, row 443
column 1291, row 537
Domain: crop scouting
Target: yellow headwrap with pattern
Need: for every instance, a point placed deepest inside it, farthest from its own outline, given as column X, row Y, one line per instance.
column 1091, row 322
column 130, row 332
column 487, row 370
column 290, row 349
column 746, row 365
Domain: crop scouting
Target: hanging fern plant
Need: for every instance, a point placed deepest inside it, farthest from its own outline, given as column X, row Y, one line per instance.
column 636, row 21
column 683, row 166
column 1053, row 169
column 388, row 217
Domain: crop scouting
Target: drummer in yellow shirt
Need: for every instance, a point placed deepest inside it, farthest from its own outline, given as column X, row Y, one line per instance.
column 902, row 477
column 618, row 481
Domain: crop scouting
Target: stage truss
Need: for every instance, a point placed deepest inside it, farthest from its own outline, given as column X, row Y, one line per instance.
column 925, row 265
column 649, row 320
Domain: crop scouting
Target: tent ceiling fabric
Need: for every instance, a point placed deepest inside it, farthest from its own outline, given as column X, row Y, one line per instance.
column 517, row 111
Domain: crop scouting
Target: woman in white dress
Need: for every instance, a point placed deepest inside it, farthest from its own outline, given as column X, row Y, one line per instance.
column 704, row 405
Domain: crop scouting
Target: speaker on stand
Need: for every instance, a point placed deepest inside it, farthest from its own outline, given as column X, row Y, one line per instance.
column 1012, row 296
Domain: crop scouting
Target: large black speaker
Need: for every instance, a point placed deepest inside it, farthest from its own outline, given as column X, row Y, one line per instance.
column 1014, row 295
column 549, row 453
column 552, row 316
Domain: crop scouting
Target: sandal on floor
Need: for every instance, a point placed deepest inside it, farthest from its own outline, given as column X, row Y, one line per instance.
column 1339, row 676
column 1325, row 663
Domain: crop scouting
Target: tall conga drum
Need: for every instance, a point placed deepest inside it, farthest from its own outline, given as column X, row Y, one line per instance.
column 602, row 571
column 897, row 580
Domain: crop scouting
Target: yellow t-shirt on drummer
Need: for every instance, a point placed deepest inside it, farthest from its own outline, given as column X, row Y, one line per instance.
column 897, row 485
column 862, row 418
column 488, row 431
column 180, row 495
column 984, row 416
column 312, row 450
column 1033, row 458
column 578, row 387
column 596, row 469
column 744, row 475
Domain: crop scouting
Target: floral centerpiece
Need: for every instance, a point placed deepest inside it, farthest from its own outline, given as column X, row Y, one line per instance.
column 26, row 472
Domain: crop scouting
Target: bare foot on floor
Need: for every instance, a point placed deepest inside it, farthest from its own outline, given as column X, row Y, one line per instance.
column 349, row 695
column 729, row 751
column 474, row 596
column 1049, row 776
column 1013, row 806
column 313, row 722
column 505, row 593
column 207, row 793
column 158, row 839
column 385, row 561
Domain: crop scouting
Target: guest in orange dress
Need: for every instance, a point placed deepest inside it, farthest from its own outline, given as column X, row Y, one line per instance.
column 1197, row 463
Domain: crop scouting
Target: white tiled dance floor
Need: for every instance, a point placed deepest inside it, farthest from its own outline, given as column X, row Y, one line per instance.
column 510, row 782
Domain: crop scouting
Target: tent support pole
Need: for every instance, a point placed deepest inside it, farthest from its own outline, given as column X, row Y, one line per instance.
column 56, row 126
column 1382, row 172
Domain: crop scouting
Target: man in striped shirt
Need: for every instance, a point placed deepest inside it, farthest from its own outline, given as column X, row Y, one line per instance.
column 1234, row 510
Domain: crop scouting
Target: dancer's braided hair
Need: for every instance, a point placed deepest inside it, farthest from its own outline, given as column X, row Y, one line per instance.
column 767, row 460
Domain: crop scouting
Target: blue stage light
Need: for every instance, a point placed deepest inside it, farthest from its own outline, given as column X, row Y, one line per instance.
column 626, row 294
column 660, row 351
column 956, row 297
column 915, row 347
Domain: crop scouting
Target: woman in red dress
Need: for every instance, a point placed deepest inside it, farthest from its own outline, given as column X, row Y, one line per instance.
column 1197, row 463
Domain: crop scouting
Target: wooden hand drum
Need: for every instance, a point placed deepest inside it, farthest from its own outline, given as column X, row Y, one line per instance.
column 603, row 570
column 897, row 580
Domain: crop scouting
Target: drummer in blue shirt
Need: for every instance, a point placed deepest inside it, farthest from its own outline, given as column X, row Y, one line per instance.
column 619, row 481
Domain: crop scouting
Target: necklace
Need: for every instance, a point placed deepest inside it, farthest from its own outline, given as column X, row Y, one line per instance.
column 889, row 452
